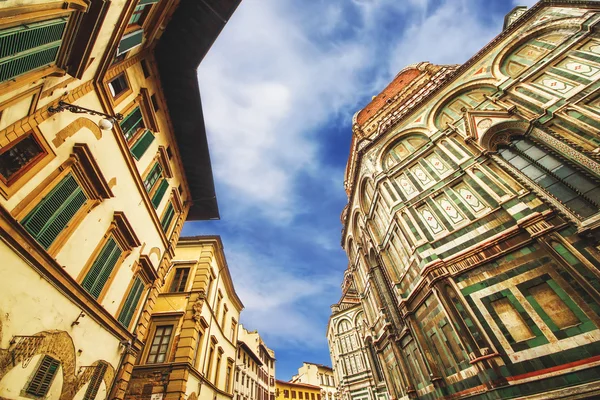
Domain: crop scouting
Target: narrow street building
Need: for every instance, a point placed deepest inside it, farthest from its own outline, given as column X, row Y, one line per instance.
column 297, row 391
column 356, row 367
column 103, row 156
column 255, row 368
column 472, row 227
column 318, row 375
column 191, row 347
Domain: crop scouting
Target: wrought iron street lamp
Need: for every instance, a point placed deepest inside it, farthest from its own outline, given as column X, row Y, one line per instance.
column 105, row 123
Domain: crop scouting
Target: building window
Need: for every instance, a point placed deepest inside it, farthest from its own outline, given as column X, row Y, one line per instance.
column 141, row 145
column 131, row 302
column 155, row 105
column 228, row 375
column 17, row 158
column 102, row 268
column 156, row 192
column 95, row 381
column 30, row 46
column 211, row 353
column 160, row 344
column 233, row 329
column 218, row 366
column 132, row 123
column 118, row 85
column 40, row 382
column 286, row 394
column 293, row 394
column 300, row 395
column 223, row 319
column 167, row 218
column 145, row 68
column 180, row 280
column 218, row 305
column 54, row 212
column 554, row 175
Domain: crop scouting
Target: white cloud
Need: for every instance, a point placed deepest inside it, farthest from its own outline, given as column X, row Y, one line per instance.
column 278, row 74
column 278, row 299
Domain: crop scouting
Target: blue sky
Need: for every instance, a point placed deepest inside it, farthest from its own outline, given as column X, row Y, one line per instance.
column 279, row 88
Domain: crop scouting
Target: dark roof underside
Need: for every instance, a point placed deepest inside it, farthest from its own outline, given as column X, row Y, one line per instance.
column 189, row 35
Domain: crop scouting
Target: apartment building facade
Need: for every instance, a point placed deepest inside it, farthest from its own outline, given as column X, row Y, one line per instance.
column 255, row 368
column 191, row 348
column 100, row 134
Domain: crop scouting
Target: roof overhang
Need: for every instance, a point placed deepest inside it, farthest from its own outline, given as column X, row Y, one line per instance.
column 189, row 35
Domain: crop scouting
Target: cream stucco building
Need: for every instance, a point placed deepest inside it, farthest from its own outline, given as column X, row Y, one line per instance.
column 192, row 342
column 255, row 368
column 90, row 211
column 317, row 375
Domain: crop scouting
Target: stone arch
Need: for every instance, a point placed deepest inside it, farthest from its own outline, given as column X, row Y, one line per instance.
column 346, row 323
column 501, row 133
column 366, row 194
column 68, row 131
column 449, row 107
column 500, row 65
column 401, row 147
column 57, row 344
column 358, row 318
column 155, row 251
column 83, row 377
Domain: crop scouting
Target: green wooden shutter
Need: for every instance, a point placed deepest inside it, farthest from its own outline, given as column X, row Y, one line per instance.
column 165, row 222
column 152, row 177
column 102, row 267
column 42, row 379
column 142, row 144
column 160, row 192
column 131, row 123
column 52, row 215
column 130, row 41
column 27, row 47
column 95, row 382
column 131, row 302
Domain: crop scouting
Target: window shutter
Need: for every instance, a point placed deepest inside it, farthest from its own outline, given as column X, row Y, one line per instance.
column 130, row 41
column 131, row 302
column 95, row 381
column 131, row 123
column 42, row 379
column 152, row 177
column 142, row 2
column 167, row 217
column 52, row 215
column 101, row 269
column 160, row 192
column 28, row 47
column 142, row 144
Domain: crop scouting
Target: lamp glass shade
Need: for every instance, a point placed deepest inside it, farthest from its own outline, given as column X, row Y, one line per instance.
column 105, row 124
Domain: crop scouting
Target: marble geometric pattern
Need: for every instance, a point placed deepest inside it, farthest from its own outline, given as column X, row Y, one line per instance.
column 431, row 220
column 449, row 209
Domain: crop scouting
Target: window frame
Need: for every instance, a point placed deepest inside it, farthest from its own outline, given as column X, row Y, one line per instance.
column 119, row 97
column 25, row 391
column 88, row 175
column 123, row 234
column 157, row 322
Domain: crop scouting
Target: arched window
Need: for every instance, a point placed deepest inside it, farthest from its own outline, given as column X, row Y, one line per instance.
column 344, row 326
column 556, row 176
column 403, row 149
column 367, row 193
